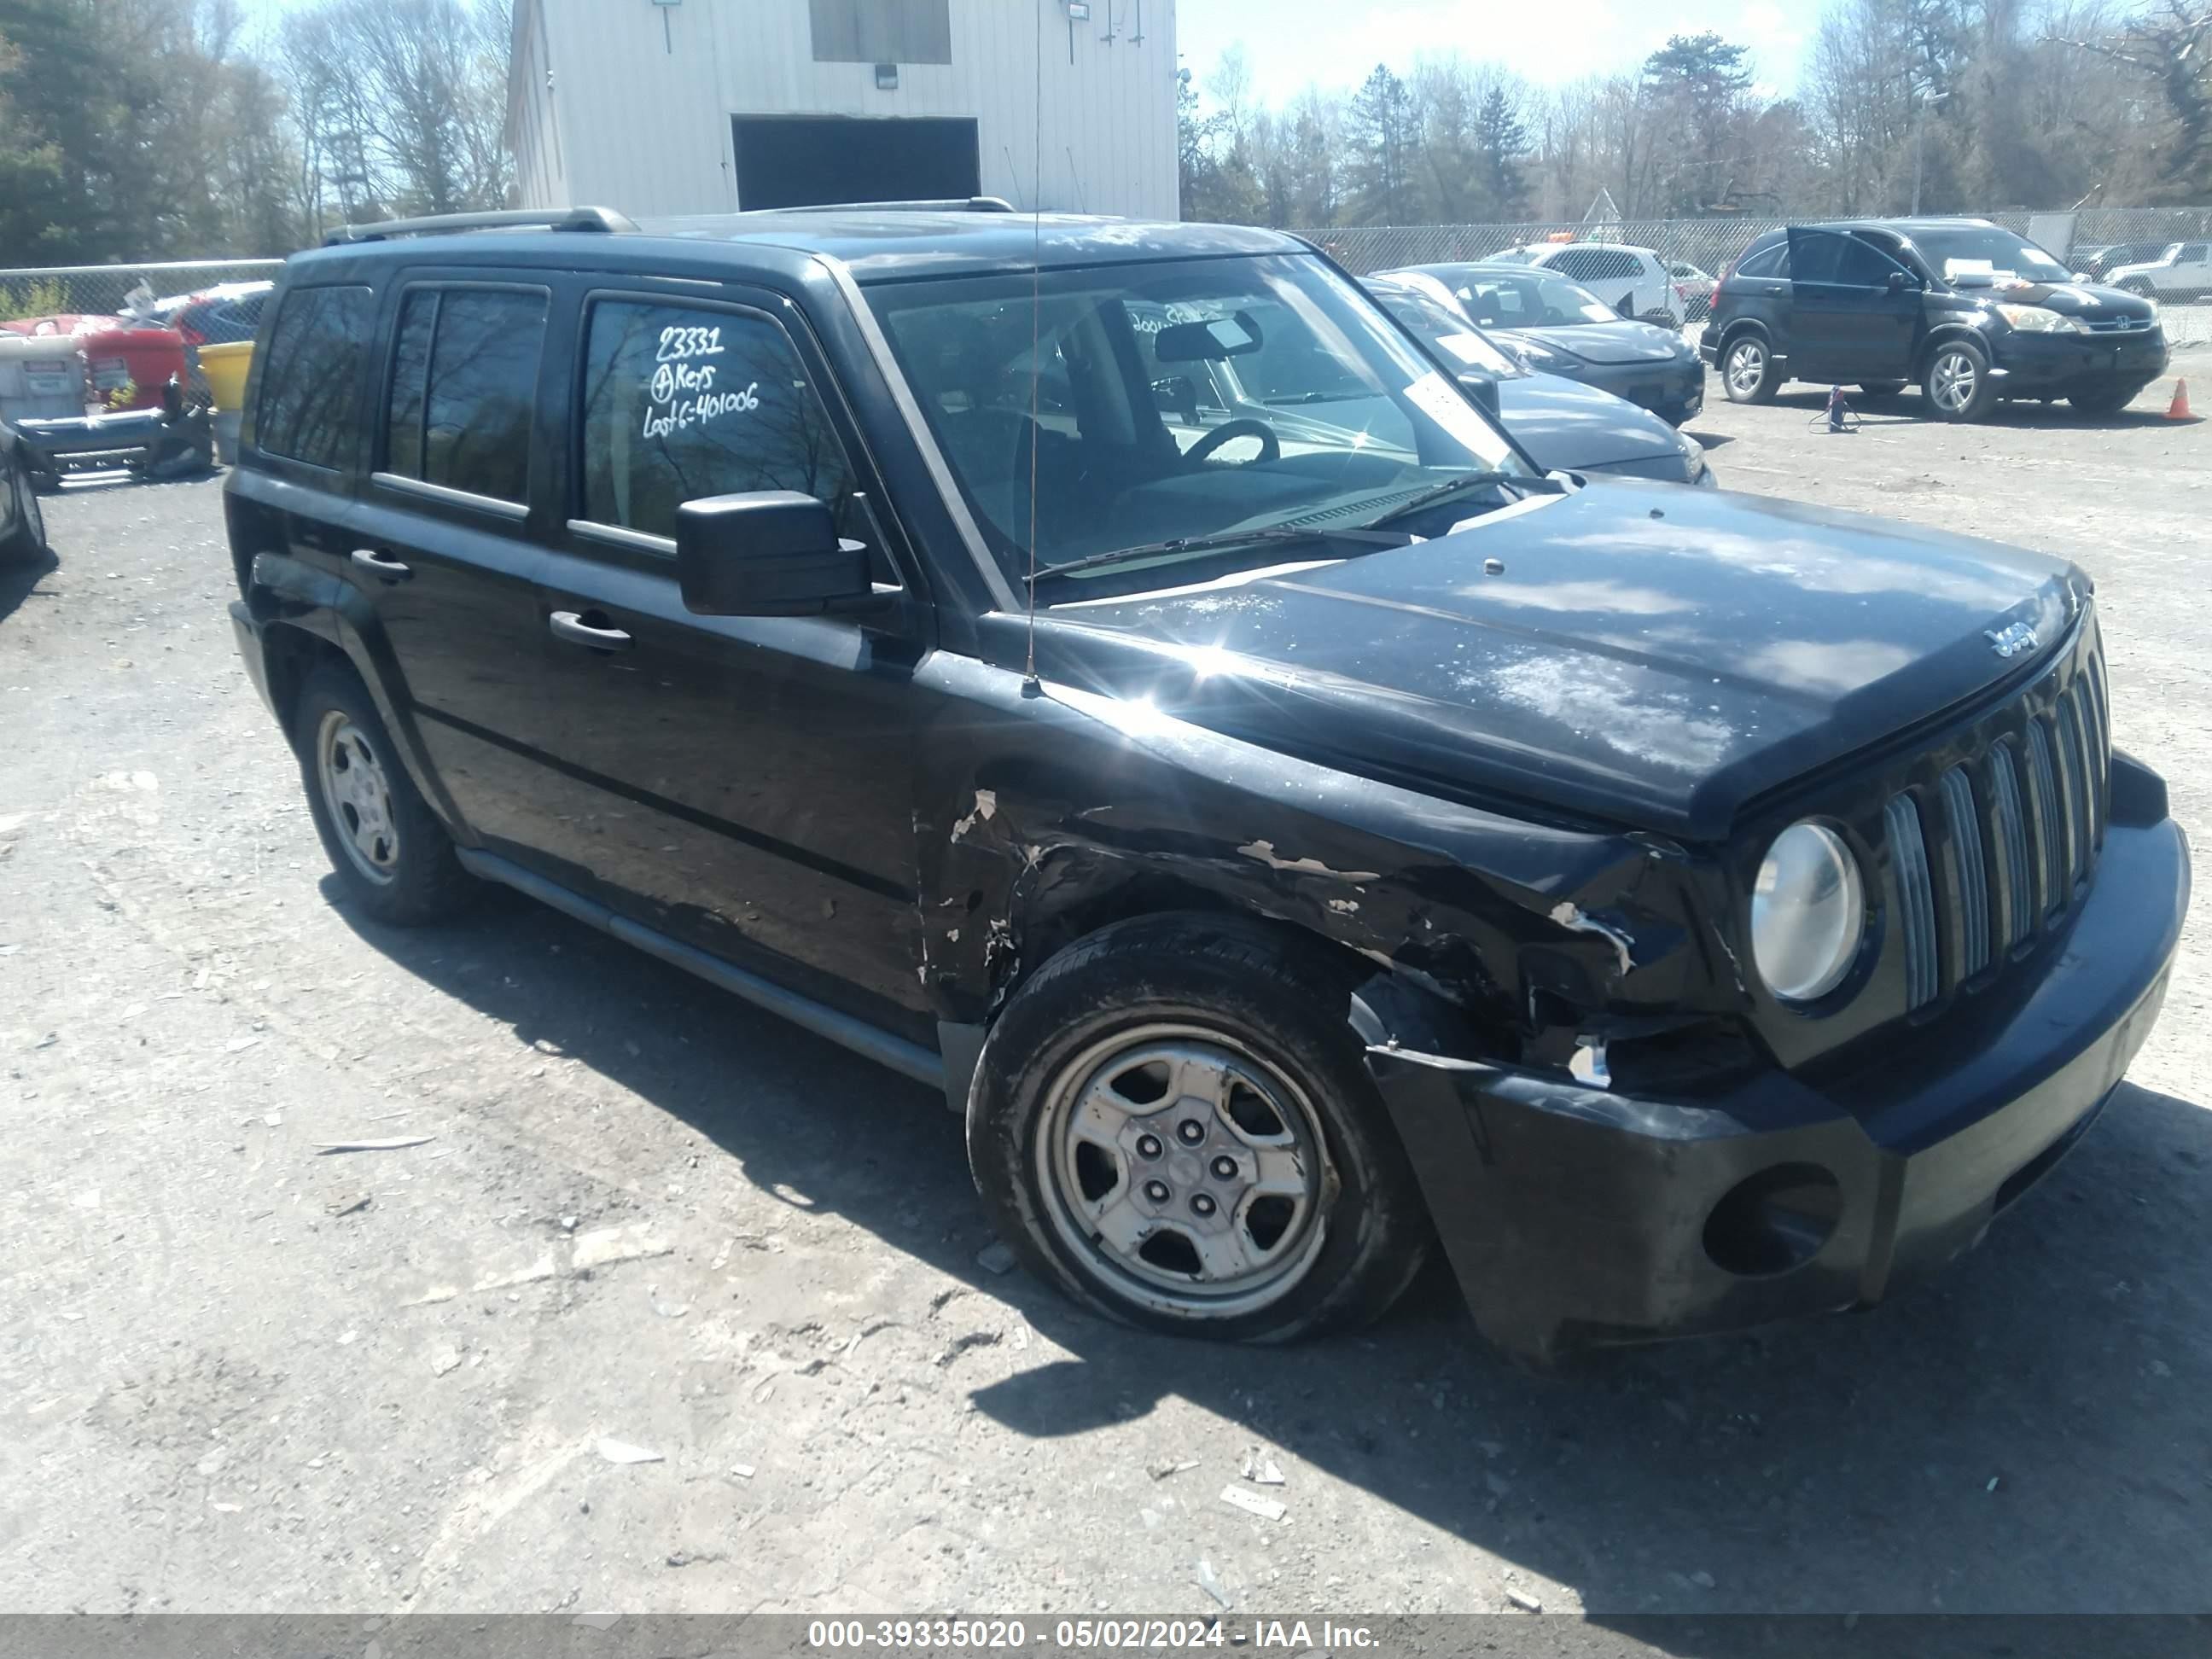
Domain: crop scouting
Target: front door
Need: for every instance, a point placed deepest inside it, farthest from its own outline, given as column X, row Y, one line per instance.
column 740, row 783
column 1855, row 311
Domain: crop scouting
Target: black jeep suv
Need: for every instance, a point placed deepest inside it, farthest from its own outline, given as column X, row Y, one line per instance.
column 1970, row 312
column 1285, row 842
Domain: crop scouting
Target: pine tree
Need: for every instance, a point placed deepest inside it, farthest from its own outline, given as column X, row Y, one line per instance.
column 1500, row 137
column 1383, row 137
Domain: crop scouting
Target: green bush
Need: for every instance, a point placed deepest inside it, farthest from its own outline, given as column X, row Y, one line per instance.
column 42, row 296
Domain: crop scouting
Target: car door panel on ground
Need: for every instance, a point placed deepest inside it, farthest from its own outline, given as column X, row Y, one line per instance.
column 1855, row 311
column 441, row 541
column 740, row 783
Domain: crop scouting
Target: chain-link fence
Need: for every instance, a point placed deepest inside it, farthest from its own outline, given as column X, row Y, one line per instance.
column 121, row 290
column 1693, row 253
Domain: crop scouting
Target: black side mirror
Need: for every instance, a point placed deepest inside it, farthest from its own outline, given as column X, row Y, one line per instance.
column 767, row 553
column 1177, row 395
column 1899, row 281
column 1626, row 307
column 1482, row 388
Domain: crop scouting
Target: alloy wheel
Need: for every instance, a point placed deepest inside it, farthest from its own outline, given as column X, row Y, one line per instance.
column 358, row 793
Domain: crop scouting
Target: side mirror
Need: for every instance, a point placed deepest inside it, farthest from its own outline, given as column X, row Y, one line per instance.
column 1627, row 306
column 766, row 553
column 1177, row 395
column 1483, row 388
column 1899, row 281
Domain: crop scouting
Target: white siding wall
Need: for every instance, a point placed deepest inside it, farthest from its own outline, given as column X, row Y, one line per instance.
column 642, row 123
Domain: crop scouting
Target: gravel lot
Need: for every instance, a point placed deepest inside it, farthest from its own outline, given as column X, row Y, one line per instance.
column 238, row 1375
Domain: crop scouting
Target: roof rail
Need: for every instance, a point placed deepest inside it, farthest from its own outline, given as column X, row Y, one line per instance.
column 948, row 204
column 580, row 218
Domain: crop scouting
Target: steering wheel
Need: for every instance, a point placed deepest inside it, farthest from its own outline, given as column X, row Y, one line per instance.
column 1271, row 446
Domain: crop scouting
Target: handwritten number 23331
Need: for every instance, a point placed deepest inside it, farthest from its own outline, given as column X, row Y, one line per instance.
column 678, row 343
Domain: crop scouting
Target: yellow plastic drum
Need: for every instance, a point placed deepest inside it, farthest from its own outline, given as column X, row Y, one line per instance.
column 225, row 367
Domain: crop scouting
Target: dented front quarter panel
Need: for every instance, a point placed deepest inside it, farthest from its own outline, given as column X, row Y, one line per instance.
column 1043, row 813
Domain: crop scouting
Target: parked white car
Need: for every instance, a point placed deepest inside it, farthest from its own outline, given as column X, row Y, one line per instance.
column 2184, row 271
column 1612, row 271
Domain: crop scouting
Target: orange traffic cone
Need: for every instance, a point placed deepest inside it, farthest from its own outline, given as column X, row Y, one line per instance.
column 2178, row 409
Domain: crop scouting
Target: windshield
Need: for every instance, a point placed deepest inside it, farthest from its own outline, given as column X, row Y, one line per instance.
column 1530, row 299
column 1984, row 253
column 1177, row 400
column 1447, row 333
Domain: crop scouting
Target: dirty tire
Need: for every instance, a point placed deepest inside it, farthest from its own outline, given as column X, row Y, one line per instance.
column 1956, row 385
column 27, row 540
column 1747, row 372
column 424, row 882
column 1879, row 391
column 1281, row 1004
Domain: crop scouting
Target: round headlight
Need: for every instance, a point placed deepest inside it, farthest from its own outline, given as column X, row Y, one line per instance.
column 1808, row 911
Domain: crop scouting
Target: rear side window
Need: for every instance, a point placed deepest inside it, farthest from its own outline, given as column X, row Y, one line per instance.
column 681, row 403
column 311, row 371
column 463, row 382
column 2193, row 254
column 1772, row 260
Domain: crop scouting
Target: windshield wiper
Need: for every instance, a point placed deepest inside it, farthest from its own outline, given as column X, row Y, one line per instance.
column 1367, row 534
column 1460, row 485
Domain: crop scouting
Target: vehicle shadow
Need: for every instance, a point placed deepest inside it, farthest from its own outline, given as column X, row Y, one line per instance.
column 2027, row 1432
column 1908, row 408
column 19, row 581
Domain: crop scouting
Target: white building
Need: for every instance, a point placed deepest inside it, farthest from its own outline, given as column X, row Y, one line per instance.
column 655, row 107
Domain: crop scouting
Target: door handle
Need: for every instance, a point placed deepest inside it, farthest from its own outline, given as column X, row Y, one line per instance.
column 382, row 565
column 568, row 625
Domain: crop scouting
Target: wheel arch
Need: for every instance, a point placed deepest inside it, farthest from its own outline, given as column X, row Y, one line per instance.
column 1941, row 334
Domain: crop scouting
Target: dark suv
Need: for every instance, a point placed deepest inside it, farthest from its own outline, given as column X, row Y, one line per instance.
column 1285, row 842
column 1972, row 313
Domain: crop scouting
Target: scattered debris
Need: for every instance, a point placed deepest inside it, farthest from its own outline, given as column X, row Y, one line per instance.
column 392, row 1144
column 1267, row 1509
column 239, row 1045
column 1523, row 1599
column 602, row 1245
column 743, row 1471
column 273, row 1120
column 618, row 1451
column 995, row 1258
column 52, row 1038
column 1212, row 1585
column 348, row 1338
column 348, row 1207
column 1168, row 1466
column 445, row 1360
column 1269, row 1474
column 596, row 1620
column 721, row 1256
column 1019, row 1336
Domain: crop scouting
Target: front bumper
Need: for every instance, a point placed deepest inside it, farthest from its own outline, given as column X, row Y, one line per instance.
column 1673, row 390
column 2056, row 365
column 1574, row 1216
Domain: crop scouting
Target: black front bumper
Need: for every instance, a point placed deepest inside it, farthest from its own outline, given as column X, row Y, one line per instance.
column 1575, row 1216
column 2058, row 365
column 1673, row 390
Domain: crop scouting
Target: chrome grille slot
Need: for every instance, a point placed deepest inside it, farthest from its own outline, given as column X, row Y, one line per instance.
column 1970, row 882
column 1915, row 899
column 2043, row 794
column 2074, row 779
column 2015, row 883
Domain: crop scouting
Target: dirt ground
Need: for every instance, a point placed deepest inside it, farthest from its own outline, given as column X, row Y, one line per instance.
column 237, row 1375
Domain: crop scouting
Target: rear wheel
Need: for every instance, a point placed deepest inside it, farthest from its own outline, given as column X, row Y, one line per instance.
column 26, row 540
column 1747, row 373
column 1173, row 1122
column 1957, row 385
column 391, row 854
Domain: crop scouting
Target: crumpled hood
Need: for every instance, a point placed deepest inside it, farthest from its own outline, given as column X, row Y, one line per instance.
column 1623, row 342
column 1648, row 655
column 1563, row 423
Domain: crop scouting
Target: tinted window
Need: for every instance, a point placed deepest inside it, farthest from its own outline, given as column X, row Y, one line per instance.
column 681, row 404
column 1772, row 260
column 312, row 372
column 464, row 376
column 1845, row 261
column 2193, row 254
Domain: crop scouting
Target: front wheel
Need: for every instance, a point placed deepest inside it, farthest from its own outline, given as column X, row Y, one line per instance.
column 2106, row 400
column 1174, row 1122
column 1957, row 385
column 1747, row 373
column 26, row 540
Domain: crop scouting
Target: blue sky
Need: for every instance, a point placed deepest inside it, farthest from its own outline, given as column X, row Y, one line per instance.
column 1337, row 42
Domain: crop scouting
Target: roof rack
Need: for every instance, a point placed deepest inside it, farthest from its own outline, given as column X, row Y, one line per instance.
column 580, row 218
column 948, row 204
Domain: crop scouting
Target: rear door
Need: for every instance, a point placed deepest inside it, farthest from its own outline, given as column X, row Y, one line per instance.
column 441, row 539
column 740, row 783
column 1848, row 321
